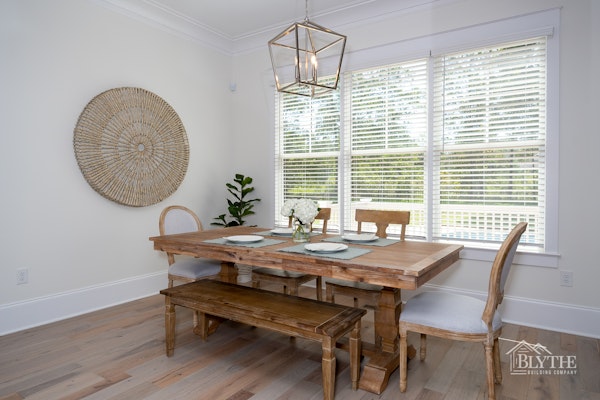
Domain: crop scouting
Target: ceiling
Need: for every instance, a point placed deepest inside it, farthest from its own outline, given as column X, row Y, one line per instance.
column 234, row 26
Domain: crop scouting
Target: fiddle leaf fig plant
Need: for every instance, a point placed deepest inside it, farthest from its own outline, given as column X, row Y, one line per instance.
column 239, row 207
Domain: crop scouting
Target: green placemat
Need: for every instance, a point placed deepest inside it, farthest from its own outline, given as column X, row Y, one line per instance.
column 379, row 242
column 349, row 253
column 269, row 233
column 262, row 243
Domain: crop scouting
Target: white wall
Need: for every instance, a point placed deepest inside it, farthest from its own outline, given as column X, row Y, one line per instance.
column 56, row 56
column 534, row 295
column 81, row 248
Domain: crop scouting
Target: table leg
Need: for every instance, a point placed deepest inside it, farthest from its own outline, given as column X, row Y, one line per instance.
column 228, row 272
column 169, row 326
column 377, row 371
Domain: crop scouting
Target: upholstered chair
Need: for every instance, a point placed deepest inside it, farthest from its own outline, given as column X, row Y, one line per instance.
column 464, row 318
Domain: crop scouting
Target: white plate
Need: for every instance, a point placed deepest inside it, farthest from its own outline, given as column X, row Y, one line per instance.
column 283, row 231
column 325, row 247
column 244, row 238
column 362, row 237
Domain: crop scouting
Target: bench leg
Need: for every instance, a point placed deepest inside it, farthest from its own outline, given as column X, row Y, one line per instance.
column 355, row 353
column 202, row 328
column 328, row 366
column 169, row 327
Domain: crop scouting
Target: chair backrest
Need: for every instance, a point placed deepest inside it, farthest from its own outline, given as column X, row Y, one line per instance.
column 177, row 219
column 324, row 214
column 382, row 219
column 500, row 269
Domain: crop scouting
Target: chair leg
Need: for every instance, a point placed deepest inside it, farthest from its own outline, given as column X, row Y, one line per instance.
column 319, row 288
column 196, row 320
column 293, row 289
column 423, row 351
column 329, row 294
column 403, row 360
column 489, row 365
column 497, row 365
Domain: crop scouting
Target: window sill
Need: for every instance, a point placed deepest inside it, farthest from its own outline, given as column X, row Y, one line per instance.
column 533, row 257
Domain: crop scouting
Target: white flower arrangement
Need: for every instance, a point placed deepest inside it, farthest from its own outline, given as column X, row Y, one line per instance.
column 304, row 210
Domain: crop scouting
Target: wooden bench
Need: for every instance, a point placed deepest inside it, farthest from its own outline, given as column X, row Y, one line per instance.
column 291, row 315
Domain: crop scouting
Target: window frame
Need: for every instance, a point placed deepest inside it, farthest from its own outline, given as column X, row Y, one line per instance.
column 545, row 23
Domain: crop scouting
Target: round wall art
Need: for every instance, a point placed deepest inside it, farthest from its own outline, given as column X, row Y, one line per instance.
column 131, row 146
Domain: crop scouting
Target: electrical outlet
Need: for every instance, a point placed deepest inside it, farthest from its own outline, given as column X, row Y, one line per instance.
column 566, row 278
column 22, row 276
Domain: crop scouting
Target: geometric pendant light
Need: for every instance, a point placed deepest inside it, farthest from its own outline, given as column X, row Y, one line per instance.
column 307, row 58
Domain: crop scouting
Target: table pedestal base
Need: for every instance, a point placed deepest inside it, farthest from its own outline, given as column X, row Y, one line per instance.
column 380, row 366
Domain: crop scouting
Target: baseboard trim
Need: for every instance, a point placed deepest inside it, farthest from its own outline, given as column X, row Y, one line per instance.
column 18, row 316
column 27, row 314
column 559, row 317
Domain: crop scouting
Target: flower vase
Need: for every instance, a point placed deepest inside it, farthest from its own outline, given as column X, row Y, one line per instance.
column 301, row 232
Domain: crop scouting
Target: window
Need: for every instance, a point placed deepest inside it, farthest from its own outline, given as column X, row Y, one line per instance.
column 308, row 149
column 459, row 138
column 387, row 136
column 489, row 142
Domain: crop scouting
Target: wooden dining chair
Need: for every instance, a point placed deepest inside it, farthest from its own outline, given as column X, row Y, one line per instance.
column 179, row 219
column 464, row 318
column 291, row 280
column 367, row 292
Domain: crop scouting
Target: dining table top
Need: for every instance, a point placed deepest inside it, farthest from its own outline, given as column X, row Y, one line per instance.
column 404, row 264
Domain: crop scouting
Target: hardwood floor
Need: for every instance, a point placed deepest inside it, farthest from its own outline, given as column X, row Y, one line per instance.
column 119, row 353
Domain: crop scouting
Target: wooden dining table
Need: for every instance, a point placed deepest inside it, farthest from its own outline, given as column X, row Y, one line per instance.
column 397, row 265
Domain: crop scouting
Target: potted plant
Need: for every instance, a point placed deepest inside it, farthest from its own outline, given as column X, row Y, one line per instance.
column 239, row 207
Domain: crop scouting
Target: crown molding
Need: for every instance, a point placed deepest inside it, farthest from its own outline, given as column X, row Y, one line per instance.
column 168, row 20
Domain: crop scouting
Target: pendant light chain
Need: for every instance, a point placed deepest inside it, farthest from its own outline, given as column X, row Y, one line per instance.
column 306, row 10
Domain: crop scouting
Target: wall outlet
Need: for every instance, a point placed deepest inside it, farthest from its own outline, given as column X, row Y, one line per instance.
column 566, row 278
column 22, row 276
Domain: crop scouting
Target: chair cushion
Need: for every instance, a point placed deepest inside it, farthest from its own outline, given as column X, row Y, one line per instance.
column 195, row 267
column 451, row 312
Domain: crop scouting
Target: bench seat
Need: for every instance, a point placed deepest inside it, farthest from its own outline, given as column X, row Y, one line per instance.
column 295, row 316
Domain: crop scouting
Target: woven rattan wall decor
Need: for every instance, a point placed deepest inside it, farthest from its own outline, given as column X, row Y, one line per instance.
column 131, row 146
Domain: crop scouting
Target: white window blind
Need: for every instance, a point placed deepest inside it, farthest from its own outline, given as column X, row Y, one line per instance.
column 457, row 139
column 307, row 151
column 489, row 142
column 387, row 122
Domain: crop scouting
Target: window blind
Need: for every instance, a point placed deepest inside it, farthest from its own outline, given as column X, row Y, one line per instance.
column 387, row 123
column 307, row 151
column 458, row 139
column 489, row 142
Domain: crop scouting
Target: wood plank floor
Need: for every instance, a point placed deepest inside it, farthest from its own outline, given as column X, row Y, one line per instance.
column 118, row 353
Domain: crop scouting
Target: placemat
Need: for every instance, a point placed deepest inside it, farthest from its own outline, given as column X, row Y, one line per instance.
column 379, row 242
column 269, row 233
column 262, row 243
column 348, row 254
